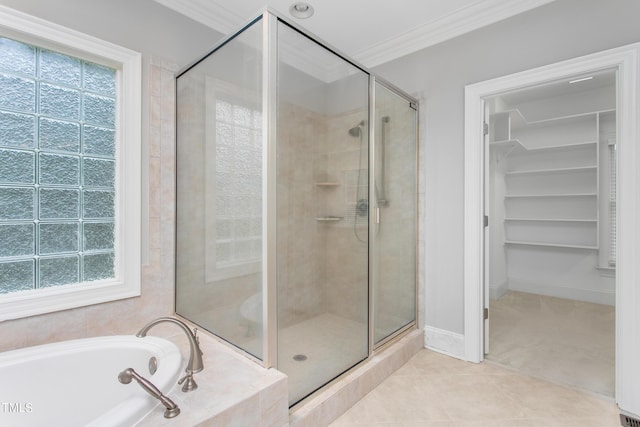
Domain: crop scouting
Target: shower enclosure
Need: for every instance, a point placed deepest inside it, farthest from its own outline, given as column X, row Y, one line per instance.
column 296, row 203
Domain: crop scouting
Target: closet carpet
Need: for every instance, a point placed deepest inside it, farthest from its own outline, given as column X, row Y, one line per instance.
column 564, row 341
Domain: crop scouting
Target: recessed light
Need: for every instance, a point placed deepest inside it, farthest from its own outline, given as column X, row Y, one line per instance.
column 301, row 10
column 584, row 79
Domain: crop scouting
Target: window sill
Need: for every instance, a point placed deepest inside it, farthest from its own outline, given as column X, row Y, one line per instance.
column 30, row 303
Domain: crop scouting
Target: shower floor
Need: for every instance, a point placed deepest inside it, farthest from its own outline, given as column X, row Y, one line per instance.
column 331, row 344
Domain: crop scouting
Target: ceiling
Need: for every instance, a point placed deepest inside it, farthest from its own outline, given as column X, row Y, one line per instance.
column 370, row 31
column 562, row 87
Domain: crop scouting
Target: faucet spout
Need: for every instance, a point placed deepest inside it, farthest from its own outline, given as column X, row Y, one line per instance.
column 195, row 357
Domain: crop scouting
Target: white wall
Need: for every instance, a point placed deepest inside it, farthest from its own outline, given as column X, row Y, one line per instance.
column 561, row 30
column 141, row 25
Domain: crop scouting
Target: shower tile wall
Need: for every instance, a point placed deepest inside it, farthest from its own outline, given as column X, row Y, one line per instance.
column 301, row 260
column 323, row 258
column 346, row 253
column 127, row 316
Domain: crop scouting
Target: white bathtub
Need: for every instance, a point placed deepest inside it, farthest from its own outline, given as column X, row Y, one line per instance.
column 75, row 383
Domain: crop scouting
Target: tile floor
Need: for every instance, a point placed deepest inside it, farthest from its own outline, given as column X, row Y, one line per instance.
column 434, row 390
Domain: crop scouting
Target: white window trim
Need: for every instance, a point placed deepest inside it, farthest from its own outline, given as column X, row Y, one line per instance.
column 42, row 33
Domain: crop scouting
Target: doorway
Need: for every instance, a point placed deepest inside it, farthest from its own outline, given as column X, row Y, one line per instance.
column 627, row 298
column 550, row 196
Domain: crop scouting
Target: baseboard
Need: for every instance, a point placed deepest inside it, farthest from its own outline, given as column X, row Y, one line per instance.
column 497, row 291
column 444, row 342
column 587, row 295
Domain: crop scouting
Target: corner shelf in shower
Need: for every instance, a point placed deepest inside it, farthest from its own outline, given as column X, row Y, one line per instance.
column 327, row 184
column 329, row 218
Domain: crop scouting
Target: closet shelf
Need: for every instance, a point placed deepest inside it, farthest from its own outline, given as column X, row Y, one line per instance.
column 552, row 185
column 593, row 168
column 507, row 146
column 553, row 219
column 559, row 147
column 554, row 245
column 569, row 118
column 513, row 196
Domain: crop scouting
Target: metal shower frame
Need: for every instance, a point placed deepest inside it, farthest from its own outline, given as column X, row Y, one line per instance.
column 269, row 20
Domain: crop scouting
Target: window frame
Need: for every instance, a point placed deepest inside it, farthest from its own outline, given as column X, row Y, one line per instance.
column 127, row 246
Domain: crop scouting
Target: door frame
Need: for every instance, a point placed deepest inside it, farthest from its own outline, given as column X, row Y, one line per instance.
column 625, row 60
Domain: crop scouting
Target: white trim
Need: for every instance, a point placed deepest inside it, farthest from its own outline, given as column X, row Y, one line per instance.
column 54, row 36
column 444, row 342
column 625, row 60
column 128, row 148
column 206, row 12
column 456, row 23
column 478, row 15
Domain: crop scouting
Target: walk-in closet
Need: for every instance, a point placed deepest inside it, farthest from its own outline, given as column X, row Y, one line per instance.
column 551, row 193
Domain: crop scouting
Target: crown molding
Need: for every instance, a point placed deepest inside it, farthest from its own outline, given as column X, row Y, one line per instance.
column 452, row 25
column 459, row 22
column 206, row 12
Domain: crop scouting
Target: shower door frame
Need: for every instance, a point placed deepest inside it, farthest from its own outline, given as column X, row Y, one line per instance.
column 374, row 215
column 270, row 20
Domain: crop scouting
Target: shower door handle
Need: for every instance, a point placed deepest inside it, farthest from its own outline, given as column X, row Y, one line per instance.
column 377, row 215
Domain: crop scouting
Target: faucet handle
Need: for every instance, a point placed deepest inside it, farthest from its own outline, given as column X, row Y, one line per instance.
column 190, row 383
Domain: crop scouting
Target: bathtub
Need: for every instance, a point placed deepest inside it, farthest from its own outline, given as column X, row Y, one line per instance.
column 75, row 383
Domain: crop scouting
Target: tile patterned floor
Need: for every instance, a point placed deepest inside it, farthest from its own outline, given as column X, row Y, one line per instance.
column 434, row 390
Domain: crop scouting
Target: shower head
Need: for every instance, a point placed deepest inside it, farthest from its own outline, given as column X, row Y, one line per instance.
column 356, row 131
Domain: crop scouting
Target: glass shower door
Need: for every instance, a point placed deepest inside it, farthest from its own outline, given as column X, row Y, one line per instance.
column 394, row 232
column 322, row 213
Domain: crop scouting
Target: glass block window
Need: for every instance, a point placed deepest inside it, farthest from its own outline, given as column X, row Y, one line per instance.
column 238, row 184
column 57, row 169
